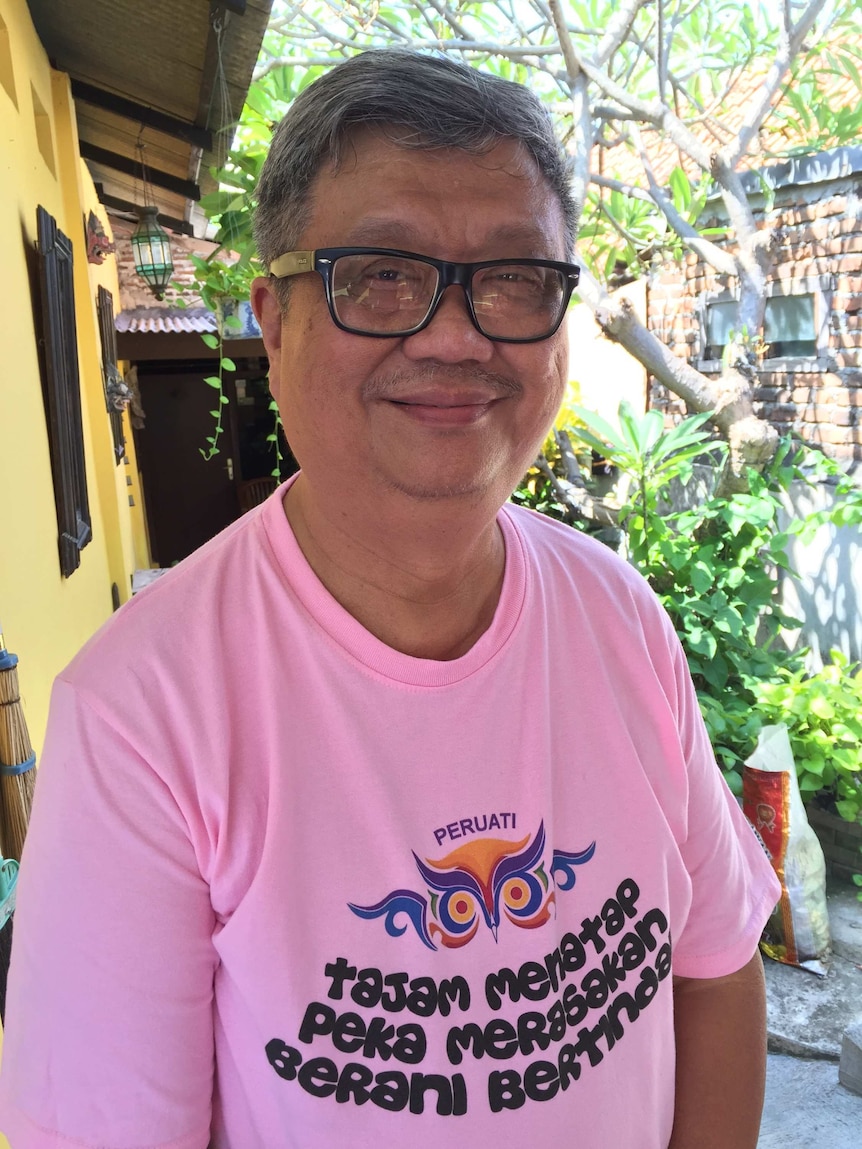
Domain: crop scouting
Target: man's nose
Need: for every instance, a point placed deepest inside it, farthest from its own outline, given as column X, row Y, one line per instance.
column 451, row 335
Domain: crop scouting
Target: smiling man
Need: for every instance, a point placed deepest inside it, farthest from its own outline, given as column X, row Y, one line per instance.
column 393, row 817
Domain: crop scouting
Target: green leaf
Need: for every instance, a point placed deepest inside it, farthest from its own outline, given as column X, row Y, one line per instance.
column 822, row 708
column 680, row 187
column 228, row 364
column 809, row 784
column 601, row 429
column 734, row 781
column 211, row 340
column 213, row 381
column 701, row 577
column 814, row 766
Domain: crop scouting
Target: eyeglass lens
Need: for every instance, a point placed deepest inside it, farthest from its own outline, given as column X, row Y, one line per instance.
column 379, row 294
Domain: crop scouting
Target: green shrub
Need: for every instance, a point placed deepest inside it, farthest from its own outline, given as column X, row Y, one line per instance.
column 715, row 566
column 823, row 712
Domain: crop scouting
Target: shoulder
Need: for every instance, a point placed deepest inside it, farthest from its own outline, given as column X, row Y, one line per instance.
column 185, row 618
column 568, row 557
column 586, row 592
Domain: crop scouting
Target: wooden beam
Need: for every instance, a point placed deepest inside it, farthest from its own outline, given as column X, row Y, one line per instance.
column 140, row 114
column 131, row 167
column 180, row 226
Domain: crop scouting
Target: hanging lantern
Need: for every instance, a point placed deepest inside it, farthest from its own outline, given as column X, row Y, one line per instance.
column 151, row 248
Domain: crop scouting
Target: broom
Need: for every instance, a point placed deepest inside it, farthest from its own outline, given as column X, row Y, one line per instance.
column 17, row 776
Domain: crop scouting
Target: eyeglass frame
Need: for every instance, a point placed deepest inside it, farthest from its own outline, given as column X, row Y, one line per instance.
column 449, row 273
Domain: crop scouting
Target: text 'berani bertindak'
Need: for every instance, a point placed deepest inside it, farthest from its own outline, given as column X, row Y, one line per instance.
column 574, row 1006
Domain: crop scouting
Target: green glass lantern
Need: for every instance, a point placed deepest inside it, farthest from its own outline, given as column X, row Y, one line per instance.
column 151, row 248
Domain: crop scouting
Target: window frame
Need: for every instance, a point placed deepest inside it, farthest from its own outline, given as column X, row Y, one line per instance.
column 820, row 287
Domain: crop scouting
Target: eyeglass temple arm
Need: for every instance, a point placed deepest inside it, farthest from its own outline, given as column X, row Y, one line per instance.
column 293, row 263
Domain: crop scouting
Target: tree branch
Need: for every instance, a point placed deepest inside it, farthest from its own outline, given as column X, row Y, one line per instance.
column 610, row 112
column 656, row 113
column 455, row 24
column 618, row 321
column 617, row 29
column 575, row 496
column 566, row 45
column 761, row 104
column 294, row 62
column 716, row 256
column 629, row 190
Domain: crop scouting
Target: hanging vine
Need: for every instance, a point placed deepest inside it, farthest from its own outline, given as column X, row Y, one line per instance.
column 216, row 343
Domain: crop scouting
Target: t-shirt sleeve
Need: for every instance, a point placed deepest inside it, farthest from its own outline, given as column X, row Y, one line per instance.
column 734, row 887
column 109, row 1032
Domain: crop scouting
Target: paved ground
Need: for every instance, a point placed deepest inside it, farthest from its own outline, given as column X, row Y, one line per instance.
column 806, row 1107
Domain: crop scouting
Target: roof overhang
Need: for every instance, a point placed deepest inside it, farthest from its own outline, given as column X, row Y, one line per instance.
column 162, row 78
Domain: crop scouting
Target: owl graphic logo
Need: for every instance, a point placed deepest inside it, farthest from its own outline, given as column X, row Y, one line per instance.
column 485, row 880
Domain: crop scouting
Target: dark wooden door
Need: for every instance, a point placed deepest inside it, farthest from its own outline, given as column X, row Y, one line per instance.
column 188, row 500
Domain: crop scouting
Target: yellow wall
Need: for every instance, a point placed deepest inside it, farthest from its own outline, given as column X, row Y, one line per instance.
column 47, row 618
column 605, row 372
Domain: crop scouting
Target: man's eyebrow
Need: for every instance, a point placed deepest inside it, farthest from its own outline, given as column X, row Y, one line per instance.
column 383, row 232
column 402, row 233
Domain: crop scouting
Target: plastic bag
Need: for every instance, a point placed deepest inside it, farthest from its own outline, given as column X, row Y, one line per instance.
column 797, row 933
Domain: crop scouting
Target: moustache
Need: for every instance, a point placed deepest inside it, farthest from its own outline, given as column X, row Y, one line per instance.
column 395, row 383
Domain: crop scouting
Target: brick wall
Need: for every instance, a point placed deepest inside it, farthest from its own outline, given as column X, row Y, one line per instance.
column 819, row 230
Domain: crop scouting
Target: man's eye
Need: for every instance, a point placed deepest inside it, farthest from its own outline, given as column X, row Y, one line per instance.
column 385, row 274
column 522, row 279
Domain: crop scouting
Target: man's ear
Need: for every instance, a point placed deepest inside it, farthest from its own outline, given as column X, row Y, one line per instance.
column 268, row 313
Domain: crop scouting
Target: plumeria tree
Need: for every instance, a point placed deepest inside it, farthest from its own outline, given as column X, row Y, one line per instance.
column 660, row 103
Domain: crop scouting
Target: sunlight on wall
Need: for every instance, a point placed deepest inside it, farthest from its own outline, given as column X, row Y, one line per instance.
column 46, row 618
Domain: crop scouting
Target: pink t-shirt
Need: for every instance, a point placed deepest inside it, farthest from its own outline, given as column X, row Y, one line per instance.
column 285, row 886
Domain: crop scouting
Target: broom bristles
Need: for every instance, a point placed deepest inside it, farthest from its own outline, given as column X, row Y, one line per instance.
column 15, row 745
column 9, row 691
column 16, row 791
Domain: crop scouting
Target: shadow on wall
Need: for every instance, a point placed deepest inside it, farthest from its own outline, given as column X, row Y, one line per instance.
column 828, row 590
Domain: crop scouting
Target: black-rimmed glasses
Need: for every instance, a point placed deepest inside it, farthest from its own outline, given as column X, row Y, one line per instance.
column 386, row 294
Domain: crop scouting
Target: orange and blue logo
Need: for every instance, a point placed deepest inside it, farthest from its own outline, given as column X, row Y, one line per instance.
column 485, row 880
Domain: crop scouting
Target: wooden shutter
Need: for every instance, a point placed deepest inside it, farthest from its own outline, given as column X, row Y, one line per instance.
column 63, row 392
column 110, row 372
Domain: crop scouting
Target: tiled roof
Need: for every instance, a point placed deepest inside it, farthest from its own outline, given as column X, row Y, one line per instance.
column 166, row 320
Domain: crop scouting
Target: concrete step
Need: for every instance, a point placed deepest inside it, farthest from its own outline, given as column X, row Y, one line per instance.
column 806, row 1108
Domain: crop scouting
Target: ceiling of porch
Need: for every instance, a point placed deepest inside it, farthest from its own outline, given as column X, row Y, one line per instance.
column 161, row 81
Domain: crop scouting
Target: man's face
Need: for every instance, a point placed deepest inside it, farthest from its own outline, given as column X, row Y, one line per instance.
column 444, row 413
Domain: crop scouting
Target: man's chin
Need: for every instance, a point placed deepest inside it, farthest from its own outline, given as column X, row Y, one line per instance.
column 470, row 490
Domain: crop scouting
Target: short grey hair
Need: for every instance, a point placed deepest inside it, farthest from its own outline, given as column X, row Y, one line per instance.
column 429, row 102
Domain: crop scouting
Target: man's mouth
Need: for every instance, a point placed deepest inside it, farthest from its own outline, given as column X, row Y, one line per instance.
column 446, row 410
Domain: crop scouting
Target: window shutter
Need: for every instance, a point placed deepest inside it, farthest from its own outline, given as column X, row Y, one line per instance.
column 63, row 392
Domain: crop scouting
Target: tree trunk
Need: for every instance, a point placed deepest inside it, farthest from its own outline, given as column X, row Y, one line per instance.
column 752, row 441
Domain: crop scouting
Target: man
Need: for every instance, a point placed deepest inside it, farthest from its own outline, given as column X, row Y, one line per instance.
column 389, row 816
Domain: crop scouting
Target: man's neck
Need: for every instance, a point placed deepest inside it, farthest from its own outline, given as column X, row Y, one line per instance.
column 425, row 579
